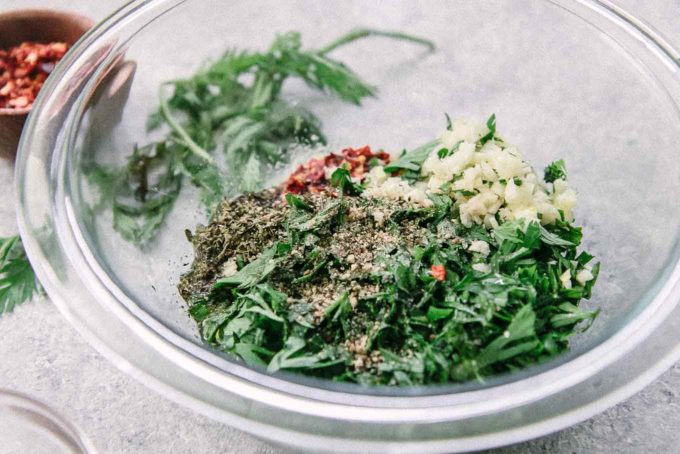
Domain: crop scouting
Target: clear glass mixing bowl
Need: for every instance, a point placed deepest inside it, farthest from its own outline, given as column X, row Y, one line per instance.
column 577, row 79
column 29, row 426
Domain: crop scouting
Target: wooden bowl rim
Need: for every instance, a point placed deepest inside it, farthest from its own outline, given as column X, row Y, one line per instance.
column 33, row 13
column 84, row 22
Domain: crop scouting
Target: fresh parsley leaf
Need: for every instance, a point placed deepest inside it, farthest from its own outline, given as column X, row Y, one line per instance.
column 142, row 193
column 18, row 283
column 437, row 313
column 235, row 102
column 511, row 232
column 341, row 179
column 552, row 239
column 249, row 353
column 290, row 357
column 254, row 272
column 520, row 328
column 412, row 160
column 340, row 308
column 571, row 315
column 555, row 171
column 301, row 222
column 444, row 152
column 491, row 125
column 464, row 192
column 297, row 202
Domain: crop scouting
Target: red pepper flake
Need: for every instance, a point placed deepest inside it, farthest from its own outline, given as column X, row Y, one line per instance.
column 438, row 272
column 312, row 176
column 23, row 70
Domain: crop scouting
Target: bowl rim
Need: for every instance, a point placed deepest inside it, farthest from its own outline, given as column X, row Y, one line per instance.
column 651, row 317
column 34, row 412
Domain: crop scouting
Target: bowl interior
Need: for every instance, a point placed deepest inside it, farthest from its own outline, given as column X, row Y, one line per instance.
column 560, row 88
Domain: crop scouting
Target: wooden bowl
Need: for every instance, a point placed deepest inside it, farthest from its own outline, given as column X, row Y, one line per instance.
column 39, row 25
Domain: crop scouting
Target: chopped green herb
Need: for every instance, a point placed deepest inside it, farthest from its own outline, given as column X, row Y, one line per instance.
column 491, row 125
column 412, row 160
column 444, row 152
column 449, row 123
column 464, row 192
column 555, row 171
column 403, row 304
column 388, row 282
column 341, row 179
column 297, row 202
column 254, row 272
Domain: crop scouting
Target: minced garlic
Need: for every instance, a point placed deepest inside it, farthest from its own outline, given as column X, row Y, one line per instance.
column 489, row 183
column 584, row 275
column 229, row 268
column 479, row 246
column 565, row 279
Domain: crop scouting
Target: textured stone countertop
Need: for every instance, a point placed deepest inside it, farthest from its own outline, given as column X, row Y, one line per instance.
column 43, row 356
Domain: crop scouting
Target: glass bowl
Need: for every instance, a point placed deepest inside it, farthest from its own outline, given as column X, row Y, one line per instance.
column 31, row 426
column 577, row 79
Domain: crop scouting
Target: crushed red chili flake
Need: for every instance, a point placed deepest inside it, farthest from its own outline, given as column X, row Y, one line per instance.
column 438, row 272
column 313, row 176
column 23, row 70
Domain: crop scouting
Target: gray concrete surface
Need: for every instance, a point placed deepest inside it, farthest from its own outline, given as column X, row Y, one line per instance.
column 43, row 356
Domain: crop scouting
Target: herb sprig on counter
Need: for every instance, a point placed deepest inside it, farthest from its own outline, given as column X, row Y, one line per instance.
column 18, row 283
column 234, row 103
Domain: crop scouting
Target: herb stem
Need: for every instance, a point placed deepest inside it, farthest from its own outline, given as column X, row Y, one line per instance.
column 361, row 33
column 184, row 135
